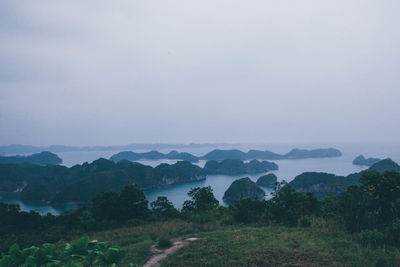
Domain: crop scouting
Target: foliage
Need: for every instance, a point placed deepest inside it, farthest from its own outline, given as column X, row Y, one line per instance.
column 372, row 238
column 82, row 252
column 163, row 208
column 288, row 205
column 132, row 203
column 164, row 242
column 203, row 200
column 375, row 204
column 249, row 211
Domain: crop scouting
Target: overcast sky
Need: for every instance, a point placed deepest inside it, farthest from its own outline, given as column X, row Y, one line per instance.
column 118, row 72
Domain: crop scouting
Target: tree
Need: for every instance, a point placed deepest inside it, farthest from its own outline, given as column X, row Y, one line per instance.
column 133, row 203
column 249, row 211
column 374, row 204
column 163, row 208
column 105, row 205
column 288, row 205
column 203, row 200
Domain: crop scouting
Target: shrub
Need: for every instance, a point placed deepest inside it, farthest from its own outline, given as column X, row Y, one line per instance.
column 305, row 221
column 203, row 200
column 164, row 242
column 372, row 238
column 82, row 252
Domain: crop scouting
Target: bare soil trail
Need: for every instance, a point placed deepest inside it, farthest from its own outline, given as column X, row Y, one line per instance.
column 177, row 245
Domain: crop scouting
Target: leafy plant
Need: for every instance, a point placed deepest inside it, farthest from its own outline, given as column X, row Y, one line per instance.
column 82, row 252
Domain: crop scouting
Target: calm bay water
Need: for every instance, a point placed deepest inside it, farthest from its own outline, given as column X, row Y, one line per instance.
column 288, row 170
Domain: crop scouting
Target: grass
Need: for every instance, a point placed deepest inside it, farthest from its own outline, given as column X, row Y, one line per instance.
column 136, row 240
column 249, row 245
column 280, row 246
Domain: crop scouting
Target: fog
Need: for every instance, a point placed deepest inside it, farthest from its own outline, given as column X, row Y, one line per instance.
column 117, row 72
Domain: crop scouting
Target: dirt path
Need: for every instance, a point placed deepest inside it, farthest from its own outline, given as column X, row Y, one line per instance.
column 177, row 245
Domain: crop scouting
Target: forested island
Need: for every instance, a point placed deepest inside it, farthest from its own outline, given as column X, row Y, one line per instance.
column 236, row 166
column 153, row 155
column 220, row 155
column 43, row 159
column 58, row 184
column 295, row 153
column 241, row 189
column 362, row 161
column 322, row 184
column 268, row 180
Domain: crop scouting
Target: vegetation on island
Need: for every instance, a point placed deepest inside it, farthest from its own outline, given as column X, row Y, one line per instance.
column 268, row 180
column 323, row 184
column 237, row 166
column 59, row 184
column 43, row 159
column 362, row 161
column 219, row 155
column 153, row 155
column 241, row 189
column 295, row 153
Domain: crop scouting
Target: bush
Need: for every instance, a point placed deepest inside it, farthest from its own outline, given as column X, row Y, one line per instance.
column 164, row 242
column 288, row 205
column 373, row 238
column 305, row 221
column 82, row 252
column 163, row 208
column 249, row 211
column 203, row 200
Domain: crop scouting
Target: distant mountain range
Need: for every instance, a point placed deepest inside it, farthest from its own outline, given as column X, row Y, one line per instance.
column 220, row 155
column 17, row 148
column 153, row 155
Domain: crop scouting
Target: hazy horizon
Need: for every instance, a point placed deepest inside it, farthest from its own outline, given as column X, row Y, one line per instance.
column 261, row 72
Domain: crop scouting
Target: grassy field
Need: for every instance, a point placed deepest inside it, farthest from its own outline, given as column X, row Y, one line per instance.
column 250, row 246
column 280, row 246
column 136, row 240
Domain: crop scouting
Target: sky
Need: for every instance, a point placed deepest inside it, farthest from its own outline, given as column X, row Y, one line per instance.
column 97, row 72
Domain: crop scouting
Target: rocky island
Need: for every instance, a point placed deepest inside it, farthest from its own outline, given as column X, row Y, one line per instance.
column 362, row 161
column 43, row 159
column 153, row 155
column 295, row 153
column 268, row 180
column 219, row 154
column 59, row 184
column 236, row 166
column 323, row 184
column 243, row 188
